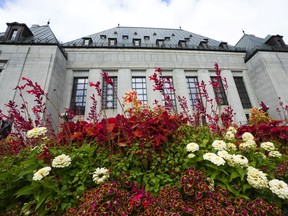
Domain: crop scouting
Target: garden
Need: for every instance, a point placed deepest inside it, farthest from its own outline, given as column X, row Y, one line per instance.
column 145, row 161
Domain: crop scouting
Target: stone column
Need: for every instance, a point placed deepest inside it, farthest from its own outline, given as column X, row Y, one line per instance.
column 93, row 76
column 180, row 84
column 67, row 90
column 152, row 95
column 204, row 75
column 124, row 85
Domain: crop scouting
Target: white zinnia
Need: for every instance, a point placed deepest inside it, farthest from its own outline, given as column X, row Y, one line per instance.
column 224, row 154
column 247, row 145
column 192, row 147
column 247, row 136
column 229, row 135
column 41, row 173
column 215, row 159
column 219, row 145
column 231, row 147
column 100, row 175
column 275, row 154
column 257, row 178
column 232, row 129
column 239, row 160
column 36, row 132
column 280, row 188
column 61, row 161
column 268, row 146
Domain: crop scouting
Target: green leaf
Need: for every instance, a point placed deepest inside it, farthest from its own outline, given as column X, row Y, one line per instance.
column 28, row 190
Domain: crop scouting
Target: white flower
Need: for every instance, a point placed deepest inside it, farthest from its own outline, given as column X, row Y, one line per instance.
column 219, row 145
column 224, row 154
column 280, row 188
column 257, row 178
column 232, row 129
column 268, row 146
column 100, row 175
column 229, row 135
column 36, row 132
column 207, row 156
column 231, row 147
column 275, row 154
column 191, row 155
column 247, row 145
column 192, row 147
column 247, row 136
column 41, row 173
column 61, row 161
column 239, row 160
column 215, row 159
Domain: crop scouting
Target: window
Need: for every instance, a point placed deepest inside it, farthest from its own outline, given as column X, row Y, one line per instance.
column 219, row 91
column 193, row 90
column 204, row 44
column 160, row 42
column 87, row 41
column 109, row 95
column 136, row 42
column 167, row 38
column 242, row 92
column 13, row 35
column 78, row 101
column 182, row 43
column 223, row 45
column 102, row 36
column 125, row 37
column 112, row 41
column 146, row 37
column 139, row 85
column 169, row 92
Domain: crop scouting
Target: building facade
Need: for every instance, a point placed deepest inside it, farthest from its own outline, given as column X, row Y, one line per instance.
column 256, row 69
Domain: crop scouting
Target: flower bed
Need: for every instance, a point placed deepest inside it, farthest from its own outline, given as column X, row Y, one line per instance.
column 148, row 161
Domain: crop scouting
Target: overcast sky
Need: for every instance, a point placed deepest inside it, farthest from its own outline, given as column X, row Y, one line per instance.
column 222, row 20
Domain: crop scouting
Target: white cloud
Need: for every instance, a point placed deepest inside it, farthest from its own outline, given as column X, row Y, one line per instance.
column 220, row 20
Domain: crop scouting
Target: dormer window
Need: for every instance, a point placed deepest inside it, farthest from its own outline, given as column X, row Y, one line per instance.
column 112, row 41
column 182, row 43
column 102, row 36
column 87, row 41
column 167, row 38
column 137, row 42
column 125, row 37
column 146, row 37
column 204, row 44
column 223, row 45
column 13, row 35
column 160, row 42
column 187, row 38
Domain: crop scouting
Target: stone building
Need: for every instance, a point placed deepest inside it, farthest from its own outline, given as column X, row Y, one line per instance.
column 256, row 69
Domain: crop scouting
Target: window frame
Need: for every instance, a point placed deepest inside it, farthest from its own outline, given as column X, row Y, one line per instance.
column 222, row 93
column 143, row 97
column 107, row 87
column 79, row 110
column 193, row 85
column 242, row 92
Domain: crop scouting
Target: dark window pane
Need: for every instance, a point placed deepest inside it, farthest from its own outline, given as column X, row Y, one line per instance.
column 219, row 92
column 242, row 93
column 78, row 100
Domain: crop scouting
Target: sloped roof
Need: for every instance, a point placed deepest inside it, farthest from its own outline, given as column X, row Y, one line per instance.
column 249, row 42
column 41, row 34
column 148, row 37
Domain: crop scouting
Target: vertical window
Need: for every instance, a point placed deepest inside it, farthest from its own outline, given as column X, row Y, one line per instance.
column 112, row 41
column 219, row 91
column 139, row 85
column 79, row 92
column 193, row 90
column 242, row 92
column 109, row 95
column 168, row 91
column 13, row 35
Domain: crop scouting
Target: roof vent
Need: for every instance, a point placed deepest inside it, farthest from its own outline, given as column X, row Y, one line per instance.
column 135, row 33
column 115, row 32
column 173, row 34
column 154, row 34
